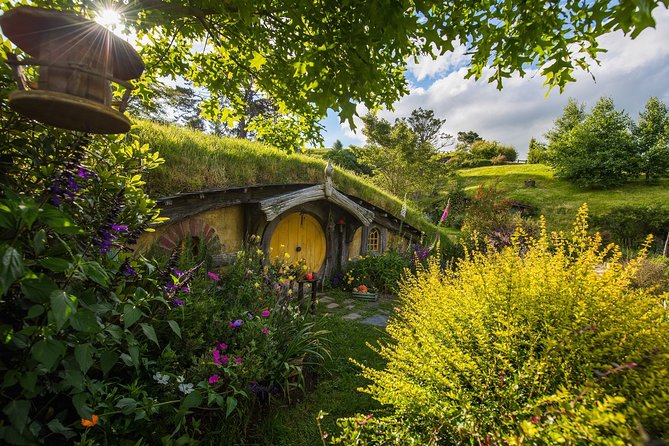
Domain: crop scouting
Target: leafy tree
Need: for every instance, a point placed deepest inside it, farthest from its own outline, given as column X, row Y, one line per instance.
column 428, row 129
column 599, row 151
column 337, row 145
column 572, row 115
column 652, row 135
column 537, row 152
column 310, row 59
column 466, row 139
column 488, row 150
column 400, row 163
column 349, row 158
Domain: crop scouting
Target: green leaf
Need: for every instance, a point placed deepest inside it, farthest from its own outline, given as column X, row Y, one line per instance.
column 35, row 311
column 193, row 399
column 127, row 405
column 55, row 264
column 175, row 327
column 17, row 413
column 108, row 359
column 57, row 427
column 48, row 352
column 231, row 404
column 28, row 381
column 96, row 273
column 29, row 213
column 39, row 241
column 83, row 353
column 59, row 221
column 38, row 290
column 150, row 333
column 84, row 320
column 62, row 306
column 11, row 268
column 131, row 314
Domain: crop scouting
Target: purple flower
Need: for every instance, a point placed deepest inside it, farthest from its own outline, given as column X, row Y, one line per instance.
column 217, row 356
column 265, row 313
column 249, row 315
column 177, row 273
column 177, row 302
column 224, row 359
column 85, row 173
column 265, row 330
column 214, row 379
column 236, row 324
column 238, row 360
column 119, row 228
column 213, row 276
column 128, row 271
column 223, row 346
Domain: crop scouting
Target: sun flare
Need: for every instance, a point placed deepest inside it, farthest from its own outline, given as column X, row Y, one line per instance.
column 109, row 18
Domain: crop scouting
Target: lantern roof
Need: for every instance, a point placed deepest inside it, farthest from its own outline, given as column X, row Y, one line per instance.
column 27, row 27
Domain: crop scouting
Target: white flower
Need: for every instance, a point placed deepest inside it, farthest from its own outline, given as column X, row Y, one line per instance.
column 186, row 388
column 180, row 379
column 160, row 378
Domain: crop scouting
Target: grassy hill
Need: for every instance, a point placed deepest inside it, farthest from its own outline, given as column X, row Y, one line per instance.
column 557, row 199
column 195, row 161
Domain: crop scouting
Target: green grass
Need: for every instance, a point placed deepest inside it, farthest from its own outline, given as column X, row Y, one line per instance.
column 195, row 161
column 336, row 392
column 558, row 200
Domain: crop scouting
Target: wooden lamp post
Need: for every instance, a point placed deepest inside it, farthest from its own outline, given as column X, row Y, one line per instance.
column 77, row 59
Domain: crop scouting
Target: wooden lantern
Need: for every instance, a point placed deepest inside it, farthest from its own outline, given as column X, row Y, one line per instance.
column 77, row 59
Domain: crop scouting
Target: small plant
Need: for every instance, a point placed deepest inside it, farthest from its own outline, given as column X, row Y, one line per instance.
column 380, row 272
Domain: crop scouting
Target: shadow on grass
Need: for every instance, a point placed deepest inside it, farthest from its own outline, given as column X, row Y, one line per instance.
column 336, row 392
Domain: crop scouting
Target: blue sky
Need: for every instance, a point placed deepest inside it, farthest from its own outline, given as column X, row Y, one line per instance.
column 630, row 72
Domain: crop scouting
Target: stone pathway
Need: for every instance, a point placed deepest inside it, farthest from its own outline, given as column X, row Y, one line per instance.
column 371, row 313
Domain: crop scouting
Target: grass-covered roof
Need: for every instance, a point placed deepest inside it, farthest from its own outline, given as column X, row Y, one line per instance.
column 195, row 161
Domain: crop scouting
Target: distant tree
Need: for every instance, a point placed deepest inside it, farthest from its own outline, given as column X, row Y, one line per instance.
column 537, row 152
column 399, row 162
column 466, row 139
column 488, row 150
column 652, row 137
column 348, row 158
column 572, row 115
column 428, row 129
column 599, row 151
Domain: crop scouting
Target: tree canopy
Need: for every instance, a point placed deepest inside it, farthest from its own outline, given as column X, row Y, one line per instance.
column 309, row 57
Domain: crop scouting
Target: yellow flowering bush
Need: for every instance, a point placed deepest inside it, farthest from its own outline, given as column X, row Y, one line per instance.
column 544, row 342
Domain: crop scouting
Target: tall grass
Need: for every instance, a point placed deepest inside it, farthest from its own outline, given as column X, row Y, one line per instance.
column 195, row 161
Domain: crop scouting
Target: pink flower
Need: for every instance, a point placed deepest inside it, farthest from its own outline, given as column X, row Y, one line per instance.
column 265, row 313
column 238, row 360
column 214, row 379
column 225, row 359
column 217, row 356
column 265, row 330
column 223, row 346
column 213, row 276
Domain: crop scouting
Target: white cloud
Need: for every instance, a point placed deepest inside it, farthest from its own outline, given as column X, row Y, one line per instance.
column 429, row 67
column 630, row 72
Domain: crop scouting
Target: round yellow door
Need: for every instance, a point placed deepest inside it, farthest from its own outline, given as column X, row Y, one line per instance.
column 301, row 236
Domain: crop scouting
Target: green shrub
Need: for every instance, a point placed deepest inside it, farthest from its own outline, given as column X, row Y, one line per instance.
column 380, row 272
column 630, row 225
column 529, row 345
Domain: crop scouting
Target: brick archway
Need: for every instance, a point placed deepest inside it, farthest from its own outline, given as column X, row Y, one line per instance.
column 193, row 227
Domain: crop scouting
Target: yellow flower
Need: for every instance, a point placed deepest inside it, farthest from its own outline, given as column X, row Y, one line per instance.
column 304, row 267
column 291, row 278
column 286, row 255
column 257, row 285
column 290, row 292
